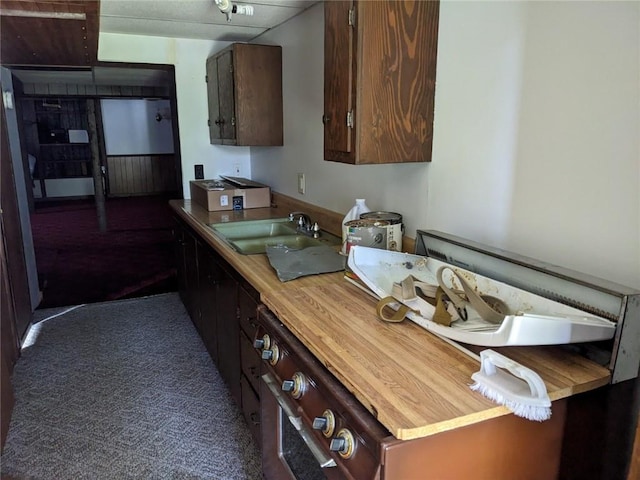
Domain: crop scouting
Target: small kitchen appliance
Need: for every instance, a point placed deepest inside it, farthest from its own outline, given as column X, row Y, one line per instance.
column 395, row 229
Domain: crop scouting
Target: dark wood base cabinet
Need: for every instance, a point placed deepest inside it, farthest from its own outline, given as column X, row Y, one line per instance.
column 226, row 311
column 222, row 306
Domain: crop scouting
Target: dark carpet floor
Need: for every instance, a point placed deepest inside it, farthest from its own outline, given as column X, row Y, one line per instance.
column 79, row 264
column 123, row 390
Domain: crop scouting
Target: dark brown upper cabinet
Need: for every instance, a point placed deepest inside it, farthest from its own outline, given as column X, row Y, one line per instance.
column 379, row 80
column 244, row 88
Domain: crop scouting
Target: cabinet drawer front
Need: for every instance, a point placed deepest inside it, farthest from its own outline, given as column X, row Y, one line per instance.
column 250, row 362
column 248, row 313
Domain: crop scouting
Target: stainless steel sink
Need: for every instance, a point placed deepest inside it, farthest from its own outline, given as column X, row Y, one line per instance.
column 246, row 229
column 252, row 236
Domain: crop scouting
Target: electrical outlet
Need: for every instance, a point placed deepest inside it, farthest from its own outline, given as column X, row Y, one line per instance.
column 199, row 171
column 301, row 183
column 236, row 169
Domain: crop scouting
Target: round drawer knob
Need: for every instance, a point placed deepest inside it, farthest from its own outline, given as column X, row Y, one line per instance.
column 272, row 355
column 320, row 423
column 287, row 385
column 343, row 443
column 337, row 444
column 326, row 423
column 296, row 386
column 264, row 342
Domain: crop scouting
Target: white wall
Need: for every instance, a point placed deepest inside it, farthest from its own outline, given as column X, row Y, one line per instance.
column 131, row 127
column 188, row 57
column 536, row 143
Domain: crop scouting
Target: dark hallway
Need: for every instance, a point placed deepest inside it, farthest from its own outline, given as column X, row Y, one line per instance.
column 78, row 264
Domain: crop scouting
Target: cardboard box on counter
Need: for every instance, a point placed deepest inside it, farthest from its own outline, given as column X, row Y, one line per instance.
column 230, row 193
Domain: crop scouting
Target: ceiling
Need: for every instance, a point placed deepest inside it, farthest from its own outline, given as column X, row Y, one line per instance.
column 195, row 18
column 37, row 36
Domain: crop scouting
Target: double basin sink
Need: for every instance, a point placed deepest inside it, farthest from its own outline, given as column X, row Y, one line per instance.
column 252, row 236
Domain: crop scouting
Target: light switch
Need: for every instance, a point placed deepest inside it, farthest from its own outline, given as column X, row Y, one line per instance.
column 224, row 200
column 301, row 183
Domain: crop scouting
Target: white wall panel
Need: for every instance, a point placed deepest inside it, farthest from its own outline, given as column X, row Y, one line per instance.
column 536, row 140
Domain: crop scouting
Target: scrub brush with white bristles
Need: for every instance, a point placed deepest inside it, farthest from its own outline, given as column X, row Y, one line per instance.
column 513, row 385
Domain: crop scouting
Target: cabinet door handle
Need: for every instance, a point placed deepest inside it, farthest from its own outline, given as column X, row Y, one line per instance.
column 326, row 119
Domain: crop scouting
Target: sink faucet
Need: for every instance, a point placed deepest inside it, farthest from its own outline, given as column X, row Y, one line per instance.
column 305, row 225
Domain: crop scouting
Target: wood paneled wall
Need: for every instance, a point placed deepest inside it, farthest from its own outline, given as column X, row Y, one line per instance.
column 141, row 175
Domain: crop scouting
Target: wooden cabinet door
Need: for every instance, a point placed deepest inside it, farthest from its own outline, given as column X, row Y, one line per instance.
column 213, row 100
column 258, row 94
column 191, row 277
column 245, row 95
column 339, row 81
column 179, row 244
column 398, row 44
column 228, row 332
column 209, row 277
column 227, row 98
column 386, row 62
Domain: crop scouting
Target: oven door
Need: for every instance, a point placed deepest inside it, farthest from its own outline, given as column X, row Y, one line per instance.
column 290, row 450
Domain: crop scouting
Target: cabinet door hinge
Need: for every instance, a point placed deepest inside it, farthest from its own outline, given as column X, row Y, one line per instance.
column 350, row 119
column 352, row 17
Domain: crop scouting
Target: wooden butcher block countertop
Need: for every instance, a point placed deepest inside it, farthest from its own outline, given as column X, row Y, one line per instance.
column 413, row 382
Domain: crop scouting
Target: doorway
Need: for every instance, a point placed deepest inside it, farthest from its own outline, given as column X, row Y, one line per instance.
column 76, row 262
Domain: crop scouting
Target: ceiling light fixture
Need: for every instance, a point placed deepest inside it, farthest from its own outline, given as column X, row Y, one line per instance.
column 228, row 8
